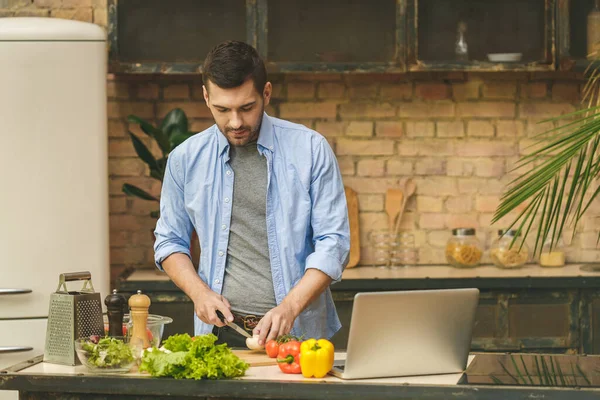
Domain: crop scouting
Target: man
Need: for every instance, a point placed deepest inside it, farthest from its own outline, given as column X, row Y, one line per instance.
column 266, row 199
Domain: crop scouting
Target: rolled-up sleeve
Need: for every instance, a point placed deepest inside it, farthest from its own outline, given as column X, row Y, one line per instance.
column 329, row 217
column 174, row 227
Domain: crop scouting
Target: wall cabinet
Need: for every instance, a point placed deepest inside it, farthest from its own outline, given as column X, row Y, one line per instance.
column 154, row 36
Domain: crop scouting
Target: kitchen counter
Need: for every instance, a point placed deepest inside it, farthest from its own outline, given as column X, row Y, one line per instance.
column 37, row 380
column 419, row 277
column 530, row 309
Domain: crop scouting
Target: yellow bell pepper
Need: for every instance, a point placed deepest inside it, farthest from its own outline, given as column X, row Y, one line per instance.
column 316, row 357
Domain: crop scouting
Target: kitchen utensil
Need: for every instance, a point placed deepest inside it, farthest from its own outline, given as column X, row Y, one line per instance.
column 233, row 326
column 393, row 205
column 409, row 189
column 155, row 327
column 72, row 315
column 254, row 358
column 505, row 57
column 114, row 309
column 139, row 304
column 352, row 202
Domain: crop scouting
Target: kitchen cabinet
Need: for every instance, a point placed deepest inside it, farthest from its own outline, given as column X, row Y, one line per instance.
column 20, row 339
column 337, row 35
column 54, row 203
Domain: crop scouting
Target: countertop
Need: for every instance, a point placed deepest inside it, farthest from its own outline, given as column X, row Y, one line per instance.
column 426, row 276
column 38, row 380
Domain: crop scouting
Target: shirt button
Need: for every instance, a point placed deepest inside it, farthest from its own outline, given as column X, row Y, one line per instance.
column 271, row 147
column 221, row 253
column 217, row 281
column 228, row 172
column 226, row 199
column 223, row 227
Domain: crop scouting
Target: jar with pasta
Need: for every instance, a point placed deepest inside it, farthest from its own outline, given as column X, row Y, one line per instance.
column 463, row 249
column 553, row 254
column 506, row 254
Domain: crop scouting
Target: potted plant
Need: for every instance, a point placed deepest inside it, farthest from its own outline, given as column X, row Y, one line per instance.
column 172, row 131
column 560, row 187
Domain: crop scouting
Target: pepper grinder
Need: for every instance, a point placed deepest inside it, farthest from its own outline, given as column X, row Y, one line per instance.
column 114, row 305
column 139, row 304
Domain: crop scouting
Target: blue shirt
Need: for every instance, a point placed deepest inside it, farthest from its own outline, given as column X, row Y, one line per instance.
column 307, row 215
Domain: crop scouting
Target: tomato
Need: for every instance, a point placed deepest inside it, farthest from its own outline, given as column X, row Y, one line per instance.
column 272, row 348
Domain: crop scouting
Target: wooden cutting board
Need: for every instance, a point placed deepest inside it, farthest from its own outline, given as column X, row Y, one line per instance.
column 352, row 200
column 255, row 358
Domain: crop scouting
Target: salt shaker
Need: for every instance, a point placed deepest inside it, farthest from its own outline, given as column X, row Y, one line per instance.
column 139, row 304
column 114, row 307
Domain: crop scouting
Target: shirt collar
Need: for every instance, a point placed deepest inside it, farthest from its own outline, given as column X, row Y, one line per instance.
column 265, row 136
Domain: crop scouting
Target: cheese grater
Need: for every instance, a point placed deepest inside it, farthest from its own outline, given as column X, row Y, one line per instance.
column 72, row 315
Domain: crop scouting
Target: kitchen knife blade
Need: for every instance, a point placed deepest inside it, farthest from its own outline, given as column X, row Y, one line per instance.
column 233, row 326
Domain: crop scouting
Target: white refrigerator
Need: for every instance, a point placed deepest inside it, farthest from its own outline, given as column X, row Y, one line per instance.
column 53, row 172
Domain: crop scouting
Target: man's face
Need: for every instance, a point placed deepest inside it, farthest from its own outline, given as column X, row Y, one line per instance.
column 237, row 111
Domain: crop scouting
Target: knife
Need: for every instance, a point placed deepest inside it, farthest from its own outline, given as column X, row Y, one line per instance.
column 233, row 326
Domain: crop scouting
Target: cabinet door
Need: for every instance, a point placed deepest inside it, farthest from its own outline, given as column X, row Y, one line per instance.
column 333, row 35
column 25, row 333
column 572, row 34
column 481, row 35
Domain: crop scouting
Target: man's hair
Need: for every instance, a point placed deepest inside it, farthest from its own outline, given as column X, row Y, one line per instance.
column 230, row 64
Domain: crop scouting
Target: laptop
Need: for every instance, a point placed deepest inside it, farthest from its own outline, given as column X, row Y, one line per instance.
column 408, row 333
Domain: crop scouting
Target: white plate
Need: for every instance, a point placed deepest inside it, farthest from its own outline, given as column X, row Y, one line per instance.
column 504, row 57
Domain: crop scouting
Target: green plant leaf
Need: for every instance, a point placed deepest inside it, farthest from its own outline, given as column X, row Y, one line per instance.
column 143, row 152
column 562, row 181
column 174, row 120
column 179, row 137
column 135, row 191
column 146, row 126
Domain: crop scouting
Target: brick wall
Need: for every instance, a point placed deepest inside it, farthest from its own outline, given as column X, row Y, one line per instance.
column 458, row 135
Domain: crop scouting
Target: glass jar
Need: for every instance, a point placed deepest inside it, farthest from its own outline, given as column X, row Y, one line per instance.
column 506, row 254
column 393, row 249
column 552, row 256
column 463, row 249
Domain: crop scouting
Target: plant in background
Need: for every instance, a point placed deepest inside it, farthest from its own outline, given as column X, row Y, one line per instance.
column 171, row 133
column 562, row 184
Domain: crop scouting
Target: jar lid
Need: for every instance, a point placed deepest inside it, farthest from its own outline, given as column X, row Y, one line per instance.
column 463, row 232
column 508, row 232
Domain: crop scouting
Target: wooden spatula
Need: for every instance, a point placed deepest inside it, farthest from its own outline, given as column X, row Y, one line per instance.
column 409, row 189
column 393, row 205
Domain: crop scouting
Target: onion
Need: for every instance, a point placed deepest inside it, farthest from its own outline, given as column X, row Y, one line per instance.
column 252, row 343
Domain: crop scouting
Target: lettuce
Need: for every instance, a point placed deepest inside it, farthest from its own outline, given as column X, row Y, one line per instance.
column 185, row 357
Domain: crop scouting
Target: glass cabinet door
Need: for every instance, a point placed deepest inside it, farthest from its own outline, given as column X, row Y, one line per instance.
column 480, row 34
column 578, row 34
column 172, row 36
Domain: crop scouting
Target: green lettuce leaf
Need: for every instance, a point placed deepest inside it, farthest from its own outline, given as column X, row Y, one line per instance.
column 197, row 358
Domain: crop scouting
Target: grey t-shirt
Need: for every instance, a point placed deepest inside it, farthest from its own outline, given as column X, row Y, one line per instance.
column 248, row 283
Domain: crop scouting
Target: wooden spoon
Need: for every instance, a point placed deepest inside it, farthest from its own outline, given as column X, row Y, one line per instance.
column 393, row 205
column 409, row 189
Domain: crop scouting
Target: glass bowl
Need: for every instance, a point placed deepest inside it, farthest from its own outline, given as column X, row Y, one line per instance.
column 106, row 354
column 155, row 327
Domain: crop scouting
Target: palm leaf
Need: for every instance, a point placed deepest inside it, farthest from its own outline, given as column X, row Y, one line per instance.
column 562, row 181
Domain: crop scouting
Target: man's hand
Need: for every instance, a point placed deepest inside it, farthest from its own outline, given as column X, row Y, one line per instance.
column 277, row 322
column 207, row 304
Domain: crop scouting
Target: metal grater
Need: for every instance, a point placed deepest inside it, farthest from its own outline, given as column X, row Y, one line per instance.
column 72, row 315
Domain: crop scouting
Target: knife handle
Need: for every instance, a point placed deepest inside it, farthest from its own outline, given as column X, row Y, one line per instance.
column 221, row 316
